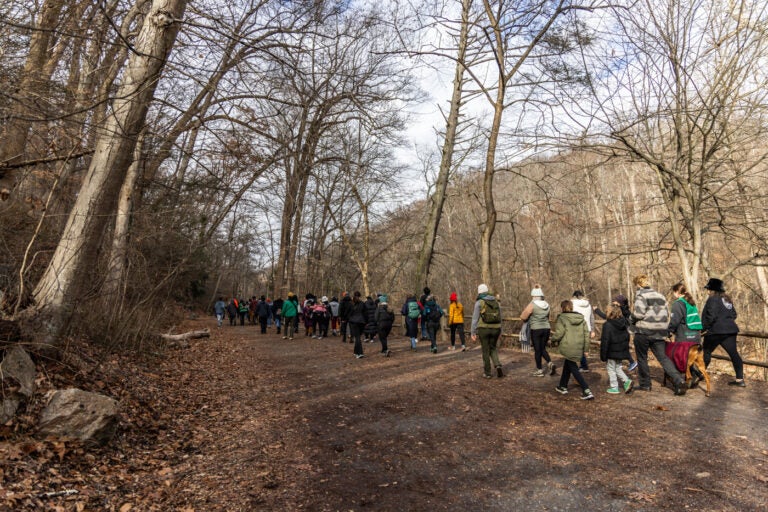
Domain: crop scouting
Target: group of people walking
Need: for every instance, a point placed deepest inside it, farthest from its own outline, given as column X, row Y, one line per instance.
column 651, row 321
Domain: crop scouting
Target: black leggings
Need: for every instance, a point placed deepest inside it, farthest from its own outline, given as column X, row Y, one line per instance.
column 539, row 338
column 728, row 342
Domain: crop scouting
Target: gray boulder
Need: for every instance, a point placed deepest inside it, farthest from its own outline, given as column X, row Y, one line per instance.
column 17, row 371
column 79, row 414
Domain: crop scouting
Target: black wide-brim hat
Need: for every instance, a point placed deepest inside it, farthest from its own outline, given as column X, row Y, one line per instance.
column 716, row 285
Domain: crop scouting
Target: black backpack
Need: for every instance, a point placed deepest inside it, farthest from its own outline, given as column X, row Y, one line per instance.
column 434, row 314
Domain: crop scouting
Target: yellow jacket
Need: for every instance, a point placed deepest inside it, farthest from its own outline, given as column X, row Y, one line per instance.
column 456, row 313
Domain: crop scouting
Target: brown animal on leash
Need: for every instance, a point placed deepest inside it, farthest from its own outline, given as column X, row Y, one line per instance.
column 695, row 356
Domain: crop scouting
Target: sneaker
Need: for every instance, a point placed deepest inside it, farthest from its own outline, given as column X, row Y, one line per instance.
column 451, row 348
column 285, row 337
column 290, row 337
column 680, row 388
column 463, row 348
column 434, row 350
column 628, row 387
column 738, row 383
column 359, row 356
column 561, row 390
column 499, row 372
column 387, row 353
column 633, row 366
column 538, row 373
column 643, row 388
column 613, row 391
column 584, row 370
column 552, row 368
column 587, row 395
column 486, row 376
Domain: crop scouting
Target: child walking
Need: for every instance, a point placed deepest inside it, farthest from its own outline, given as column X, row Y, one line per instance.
column 614, row 347
column 572, row 333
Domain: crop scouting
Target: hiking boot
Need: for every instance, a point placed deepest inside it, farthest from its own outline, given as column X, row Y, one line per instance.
column 613, row 391
column 628, row 387
column 633, row 366
column 552, row 368
column 561, row 390
column 587, row 395
column 499, row 372
column 738, row 383
column 680, row 388
column 538, row 373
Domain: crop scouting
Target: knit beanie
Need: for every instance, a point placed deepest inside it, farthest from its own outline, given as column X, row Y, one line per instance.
column 537, row 292
column 483, row 288
column 454, row 296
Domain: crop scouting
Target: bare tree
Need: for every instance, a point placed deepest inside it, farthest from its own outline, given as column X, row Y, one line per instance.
column 58, row 289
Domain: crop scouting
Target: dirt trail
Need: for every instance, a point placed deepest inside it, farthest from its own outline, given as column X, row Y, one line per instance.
column 245, row 422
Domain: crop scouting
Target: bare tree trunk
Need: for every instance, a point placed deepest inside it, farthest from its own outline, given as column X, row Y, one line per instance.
column 58, row 289
column 438, row 198
column 32, row 78
column 118, row 258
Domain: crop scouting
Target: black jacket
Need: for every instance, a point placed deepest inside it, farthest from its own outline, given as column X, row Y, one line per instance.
column 614, row 340
column 719, row 316
column 345, row 308
column 357, row 313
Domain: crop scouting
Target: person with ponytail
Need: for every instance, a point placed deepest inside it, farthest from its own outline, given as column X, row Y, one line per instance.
column 684, row 320
column 719, row 321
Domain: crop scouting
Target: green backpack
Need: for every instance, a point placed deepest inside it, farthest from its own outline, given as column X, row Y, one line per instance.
column 490, row 312
column 413, row 310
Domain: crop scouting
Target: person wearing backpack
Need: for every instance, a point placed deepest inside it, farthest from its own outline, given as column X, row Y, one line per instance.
column 432, row 314
column 456, row 321
column 650, row 317
column 486, row 325
column 385, row 318
column 411, row 311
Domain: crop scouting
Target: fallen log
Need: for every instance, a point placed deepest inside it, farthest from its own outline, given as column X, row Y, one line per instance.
column 182, row 340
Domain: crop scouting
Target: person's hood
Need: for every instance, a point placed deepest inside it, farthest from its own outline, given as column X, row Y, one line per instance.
column 580, row 303
column 572, row 318
column 618, row 323
column 541, row 303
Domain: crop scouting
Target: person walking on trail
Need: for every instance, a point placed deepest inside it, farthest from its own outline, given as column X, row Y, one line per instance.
column 277, row 312
column 290, row 311
column 582, row 306
column 262, row 313
column 432, row 314
column 422, row 301
column 650, row 316
column 614, row 348
column 536, row 313
column 370, row 328
column 334, row 306
column 411, row 311
column 572, row 334
column 220, row 308
column 345, row 308
column 456, row 321
column 242, row 309
column 385, row 318
column 720, row 329
column 357, row 321
column 486, row 325
column 622, row 303
column 232, row 311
